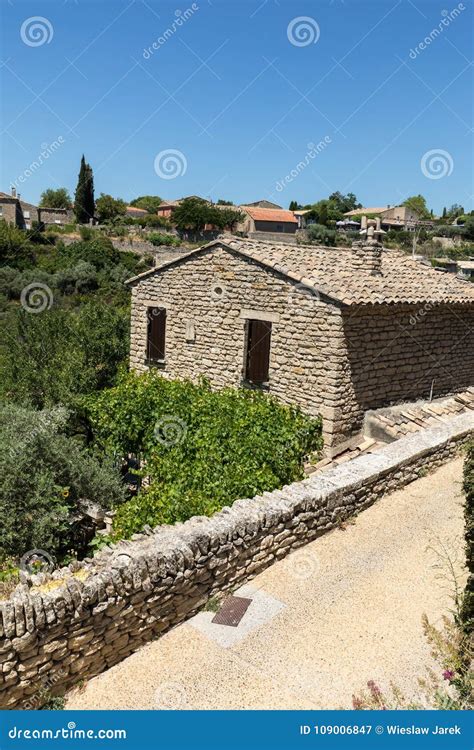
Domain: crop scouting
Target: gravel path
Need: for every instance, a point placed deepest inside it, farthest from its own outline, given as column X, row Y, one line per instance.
column 340, row 611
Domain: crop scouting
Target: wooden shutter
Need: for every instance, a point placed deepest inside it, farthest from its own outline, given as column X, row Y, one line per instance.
column 258, row 350
column 156, row 333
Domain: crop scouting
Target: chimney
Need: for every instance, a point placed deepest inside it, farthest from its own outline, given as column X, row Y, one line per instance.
column 368, row 251
column 13, row 191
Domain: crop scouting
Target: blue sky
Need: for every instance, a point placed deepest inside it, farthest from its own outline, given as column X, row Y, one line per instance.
column 240, row 89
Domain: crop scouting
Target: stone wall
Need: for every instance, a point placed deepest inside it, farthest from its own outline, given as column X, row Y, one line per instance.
column 91, row 615
column 401, row 353
column 218, row 291
column 55, row 216
column 141, row 246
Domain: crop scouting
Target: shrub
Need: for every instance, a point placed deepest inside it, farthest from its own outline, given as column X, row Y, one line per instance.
column 164, row 239
column 152, row 220
column 449, row 231
column 16, row 248
column 317, row 233
column 57, row 355
column 44, row 473
column 203, row 448
column 99, row 251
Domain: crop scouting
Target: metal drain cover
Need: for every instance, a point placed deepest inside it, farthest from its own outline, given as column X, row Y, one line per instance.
column 232, row 611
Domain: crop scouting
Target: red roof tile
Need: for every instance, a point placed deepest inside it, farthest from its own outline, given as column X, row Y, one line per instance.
column 270, row 214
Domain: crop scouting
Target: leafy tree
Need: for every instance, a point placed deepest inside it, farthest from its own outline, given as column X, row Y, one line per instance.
column 469, row 228
column 16, row 248
column 454, row 211
column 58, row 198
column 343, row 203
column 417, row 203
column 44, row 475
column 192, row 214
column 323, row 213
column 56, row 356
column 222, row 202
column 294, row 206
column 84, row 198
column 444, row 212
column 109, row 208
column 226, row 218
column 149, row 203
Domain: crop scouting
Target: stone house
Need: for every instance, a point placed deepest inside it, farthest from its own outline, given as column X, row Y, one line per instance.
column 336, row 331
column 276, row 221
column 263, row 204
column 22, row 214
column 16, row 211
column 392, row 217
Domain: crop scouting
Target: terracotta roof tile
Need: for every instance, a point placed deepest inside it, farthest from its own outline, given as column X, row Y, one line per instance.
column 269, row 214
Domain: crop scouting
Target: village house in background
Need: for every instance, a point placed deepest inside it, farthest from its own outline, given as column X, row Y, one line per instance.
column 337, row 331
column 16, row 211
column 135, row 213
column 267, row 221
column 392, row 217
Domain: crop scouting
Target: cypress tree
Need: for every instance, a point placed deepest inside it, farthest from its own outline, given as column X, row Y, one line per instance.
column 84, row 197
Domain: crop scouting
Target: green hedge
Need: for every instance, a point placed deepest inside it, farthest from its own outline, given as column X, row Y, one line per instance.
column 468, row 602
column 203, row 448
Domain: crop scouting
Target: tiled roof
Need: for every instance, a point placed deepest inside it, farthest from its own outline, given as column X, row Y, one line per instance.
column 6, row 195
column 362, row 211
column 269, row 214
column 335, row 273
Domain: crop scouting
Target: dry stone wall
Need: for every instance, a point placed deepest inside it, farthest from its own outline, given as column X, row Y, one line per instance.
column 87, row 617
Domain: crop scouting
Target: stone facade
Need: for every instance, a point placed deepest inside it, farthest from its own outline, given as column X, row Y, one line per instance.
column 219, row 292
column 55, row 216
column 83, row 619
column 329, row 358
column 401, row 353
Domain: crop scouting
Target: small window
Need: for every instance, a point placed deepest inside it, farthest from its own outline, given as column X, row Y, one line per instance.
column 156, row 332
column 258, row 351
column 26, row 214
